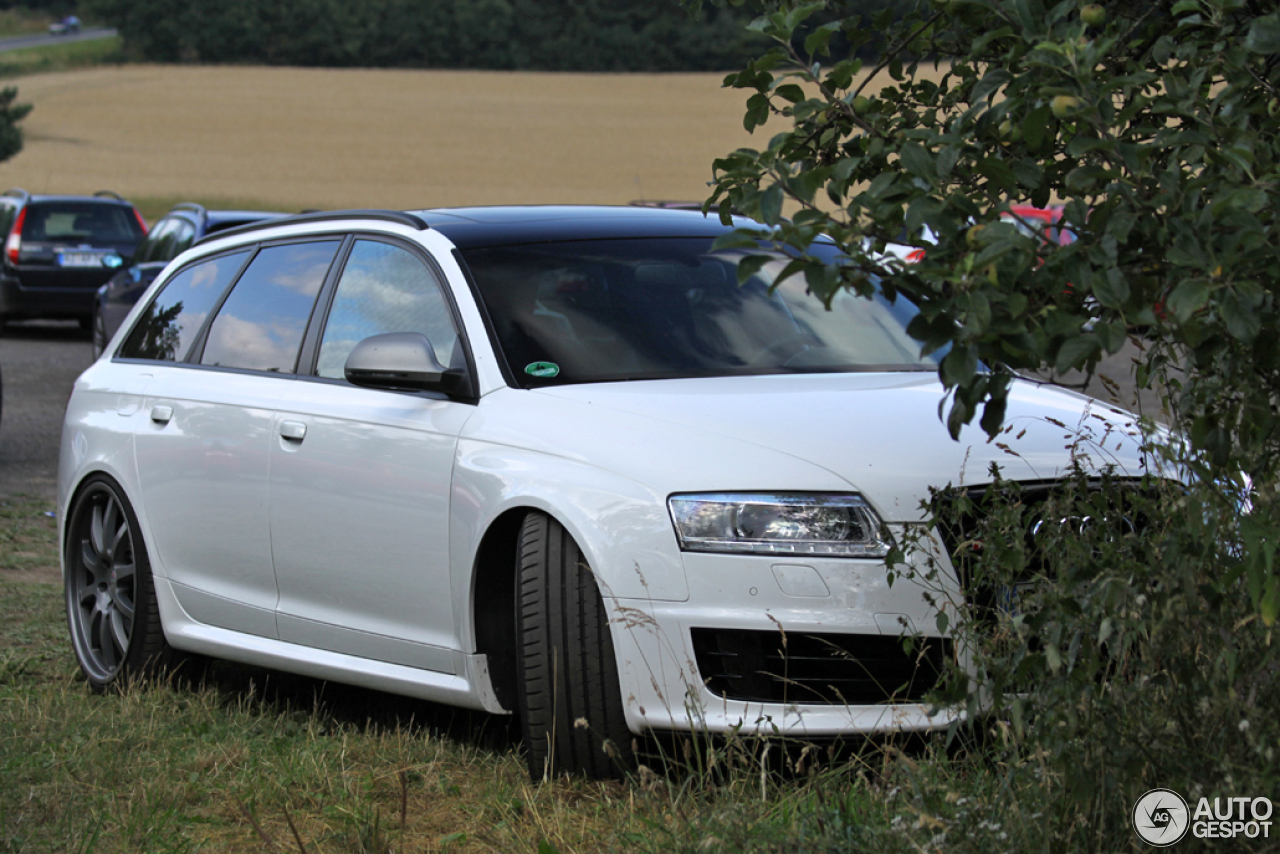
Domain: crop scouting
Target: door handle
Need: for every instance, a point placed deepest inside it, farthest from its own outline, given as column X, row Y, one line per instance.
column 161, row 414
column 293, row 430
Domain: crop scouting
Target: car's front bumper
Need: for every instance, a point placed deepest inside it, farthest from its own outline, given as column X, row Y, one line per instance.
column 799, row 646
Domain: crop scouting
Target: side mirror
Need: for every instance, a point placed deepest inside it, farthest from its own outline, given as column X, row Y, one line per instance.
column 396, row 360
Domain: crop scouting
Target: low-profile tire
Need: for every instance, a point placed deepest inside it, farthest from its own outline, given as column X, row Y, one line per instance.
column 111, row 597
column 570, row 698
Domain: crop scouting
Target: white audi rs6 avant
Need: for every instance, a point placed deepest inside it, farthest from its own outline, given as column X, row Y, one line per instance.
column 547, row 461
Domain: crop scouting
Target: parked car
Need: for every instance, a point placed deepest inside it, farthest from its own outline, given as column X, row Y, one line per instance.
column 172, row 235
column 1045, row 221
column 549, row 461
column 67, row 26
column 59, row 249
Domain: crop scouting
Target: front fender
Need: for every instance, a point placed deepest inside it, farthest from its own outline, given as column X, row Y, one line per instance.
column 621, row 526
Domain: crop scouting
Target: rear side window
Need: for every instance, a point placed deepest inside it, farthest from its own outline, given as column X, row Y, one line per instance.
column 384, row 288
column 260, row 326
column 170, row 323
column 81, row 222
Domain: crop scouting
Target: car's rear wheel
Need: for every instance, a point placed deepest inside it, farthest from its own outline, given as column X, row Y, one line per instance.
column 111, row 600
column 570, row 700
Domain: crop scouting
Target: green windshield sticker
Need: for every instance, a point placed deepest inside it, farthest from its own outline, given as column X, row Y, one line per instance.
column 544, row 370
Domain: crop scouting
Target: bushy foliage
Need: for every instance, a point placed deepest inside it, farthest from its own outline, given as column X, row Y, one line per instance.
column 1142, row 656
column 493, row 34
column 10, row 114
column 1156, row 130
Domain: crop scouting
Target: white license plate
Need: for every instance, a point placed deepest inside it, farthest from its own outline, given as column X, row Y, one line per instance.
column 80, row 259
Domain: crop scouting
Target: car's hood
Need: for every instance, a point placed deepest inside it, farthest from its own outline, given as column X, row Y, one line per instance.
column 882, row 433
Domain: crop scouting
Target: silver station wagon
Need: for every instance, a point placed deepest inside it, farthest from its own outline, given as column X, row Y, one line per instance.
column 549, row 461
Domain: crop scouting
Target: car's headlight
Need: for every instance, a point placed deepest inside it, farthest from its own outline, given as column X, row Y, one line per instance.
column 782, row 524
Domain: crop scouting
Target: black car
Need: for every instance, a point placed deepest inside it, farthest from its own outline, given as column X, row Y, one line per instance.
column 173, row 234
column 60, row 249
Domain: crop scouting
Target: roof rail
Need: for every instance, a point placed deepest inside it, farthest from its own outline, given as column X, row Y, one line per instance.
column 398, row 217
column 109, row 194
column 17, row 191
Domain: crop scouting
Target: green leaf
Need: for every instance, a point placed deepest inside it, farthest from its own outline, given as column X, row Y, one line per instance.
column 1075, row 352
column 1264, row 35
column 738, row 239
column 1241, row 316
column 1054, row 657
column 749, row 266
column 916, row 160
column 790, row 92
column 990, row 84
column 1112, row 290
column 1112, row 336
column 757, row 112
column 1035, row 127
column 1270, row 607
column 1188, row 298
column 771, row 205
column 545, row 847
column 818, row 41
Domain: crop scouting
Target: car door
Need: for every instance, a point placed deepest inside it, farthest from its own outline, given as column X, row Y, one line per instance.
column 204, row 451
column 360, row 477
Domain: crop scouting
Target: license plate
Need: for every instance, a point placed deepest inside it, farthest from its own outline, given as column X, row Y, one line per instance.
column 80, row 259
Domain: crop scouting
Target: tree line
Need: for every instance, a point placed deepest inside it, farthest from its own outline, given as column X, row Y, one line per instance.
column 544, row 35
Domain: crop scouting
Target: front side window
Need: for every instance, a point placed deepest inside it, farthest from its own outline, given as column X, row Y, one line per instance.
column 260, row 326
column 170, row 323
column 152, row 247
column 607, row 310
column 183, row 236
column 383, row 289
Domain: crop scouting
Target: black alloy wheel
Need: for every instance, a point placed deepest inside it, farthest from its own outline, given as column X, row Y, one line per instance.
column 111, row 601
column 570, row 698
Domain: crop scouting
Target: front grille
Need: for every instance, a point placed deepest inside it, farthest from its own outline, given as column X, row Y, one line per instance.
column 819, row 669
column 966, row 534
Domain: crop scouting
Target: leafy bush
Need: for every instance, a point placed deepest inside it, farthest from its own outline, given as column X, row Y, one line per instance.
column 1142, row 655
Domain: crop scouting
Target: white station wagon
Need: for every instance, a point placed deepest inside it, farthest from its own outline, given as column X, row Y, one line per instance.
column 546, row 461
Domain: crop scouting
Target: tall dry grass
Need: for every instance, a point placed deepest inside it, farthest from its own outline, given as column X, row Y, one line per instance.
column 375, row 138
column 293, row 138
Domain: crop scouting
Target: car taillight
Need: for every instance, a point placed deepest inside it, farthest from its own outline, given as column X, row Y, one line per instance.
column 14, row 243
column 142, row 222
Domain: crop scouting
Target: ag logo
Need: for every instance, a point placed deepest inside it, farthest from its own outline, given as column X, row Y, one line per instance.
column 1161, row 817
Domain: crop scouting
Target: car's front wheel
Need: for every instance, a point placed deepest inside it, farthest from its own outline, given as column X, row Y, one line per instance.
column 111, row 600
column 570, row 699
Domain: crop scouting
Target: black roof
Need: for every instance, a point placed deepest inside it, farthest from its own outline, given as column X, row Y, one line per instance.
column 471, row 228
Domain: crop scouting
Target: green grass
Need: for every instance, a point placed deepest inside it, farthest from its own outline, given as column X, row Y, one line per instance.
column 252, row 760
column 28, row 535
column 21, row 22
column 61, row 56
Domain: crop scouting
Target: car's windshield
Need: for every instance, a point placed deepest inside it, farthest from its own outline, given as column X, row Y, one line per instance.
column 605, row 310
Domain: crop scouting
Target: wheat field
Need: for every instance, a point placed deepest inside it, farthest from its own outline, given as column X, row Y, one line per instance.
column 297, row 138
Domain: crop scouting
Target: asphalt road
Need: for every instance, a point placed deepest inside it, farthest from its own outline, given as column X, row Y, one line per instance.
column 43, row 39
column 40, row 360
